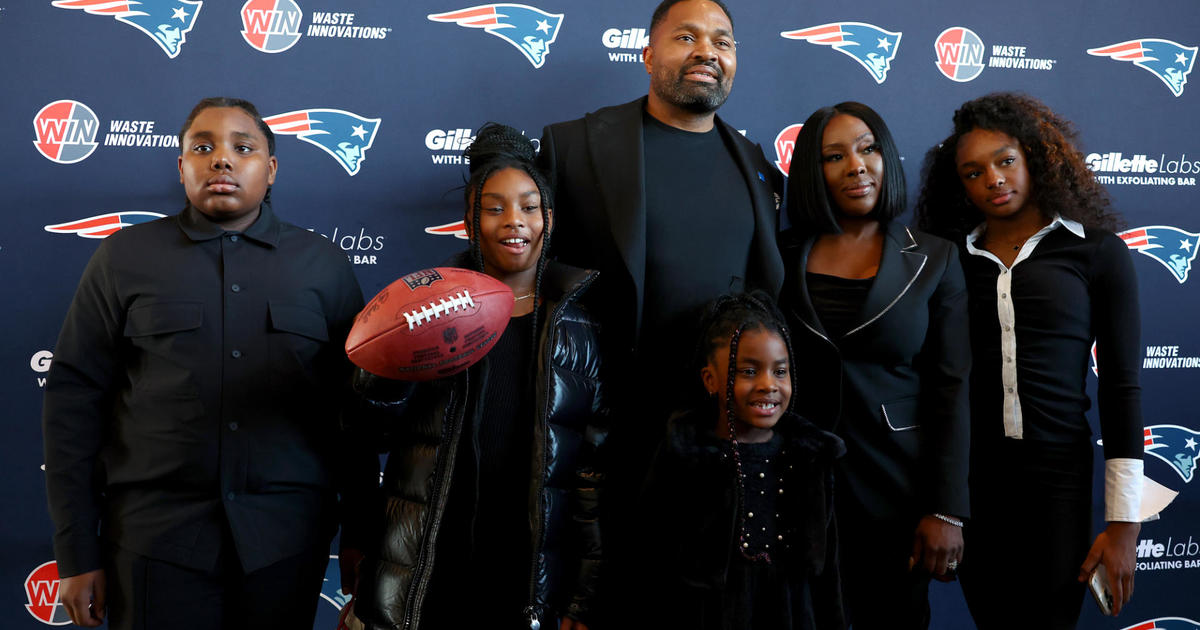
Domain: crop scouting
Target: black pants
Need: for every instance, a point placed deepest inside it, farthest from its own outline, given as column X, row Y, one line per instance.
column 1030, row 530
column 879, row 590
column 148, row 594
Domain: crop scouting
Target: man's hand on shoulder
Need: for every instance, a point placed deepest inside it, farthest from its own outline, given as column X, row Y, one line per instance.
column 84, row 597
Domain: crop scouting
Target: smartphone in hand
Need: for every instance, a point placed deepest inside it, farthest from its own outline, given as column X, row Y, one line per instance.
column 1101, row 589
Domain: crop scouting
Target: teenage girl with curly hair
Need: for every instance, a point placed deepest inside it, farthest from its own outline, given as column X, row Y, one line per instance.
column 1046, row 277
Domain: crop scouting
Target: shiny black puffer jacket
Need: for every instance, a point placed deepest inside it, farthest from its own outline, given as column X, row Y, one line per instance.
column 419, row 426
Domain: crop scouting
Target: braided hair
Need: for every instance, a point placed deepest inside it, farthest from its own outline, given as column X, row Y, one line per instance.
column 726, row 319
column 497, row 147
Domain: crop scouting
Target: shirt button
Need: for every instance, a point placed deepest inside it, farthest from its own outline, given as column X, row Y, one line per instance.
column 237, row 354
column 236, row 288
column 233, row 426
column 1008, row 329
column 1008, row 359
column 1004, row 296
column 229, row 495
column 1010, row 390
column 234, row 238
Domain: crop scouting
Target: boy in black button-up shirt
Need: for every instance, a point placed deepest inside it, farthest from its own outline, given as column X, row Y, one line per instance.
column 191, row 411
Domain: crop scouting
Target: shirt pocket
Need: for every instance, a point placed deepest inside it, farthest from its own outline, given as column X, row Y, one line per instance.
column 900, row 415
column 166, row 337
column 298, row 334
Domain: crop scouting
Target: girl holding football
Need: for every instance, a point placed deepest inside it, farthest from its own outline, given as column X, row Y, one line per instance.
column 488, row 510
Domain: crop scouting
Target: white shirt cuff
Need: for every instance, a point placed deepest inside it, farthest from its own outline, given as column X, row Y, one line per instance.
column 1122, row 489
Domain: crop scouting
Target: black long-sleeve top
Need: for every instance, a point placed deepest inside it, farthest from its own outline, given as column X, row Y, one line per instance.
column 1067, row 287
column 196, row 381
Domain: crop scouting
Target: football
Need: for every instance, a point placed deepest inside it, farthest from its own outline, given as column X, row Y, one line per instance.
column 430, row 324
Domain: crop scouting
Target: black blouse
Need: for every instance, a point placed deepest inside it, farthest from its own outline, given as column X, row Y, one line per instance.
column 837, row 300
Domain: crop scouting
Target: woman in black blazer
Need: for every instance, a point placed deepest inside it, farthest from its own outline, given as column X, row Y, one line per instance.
column 879, row 318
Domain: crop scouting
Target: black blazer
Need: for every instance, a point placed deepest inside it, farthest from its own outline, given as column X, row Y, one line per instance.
column 595, row 163
column 895, row 386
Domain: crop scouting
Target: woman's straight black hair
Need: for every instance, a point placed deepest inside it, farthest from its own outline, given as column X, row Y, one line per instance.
column 809, row 207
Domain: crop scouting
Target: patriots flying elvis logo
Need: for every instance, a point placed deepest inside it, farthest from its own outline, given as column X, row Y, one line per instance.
column 331, row 586
column 458, row 229
column 1171, row 62
column 530, row 29
column 1175, row 445
column 102, row 225
column 167, row 22
column 869, row 45
column 344, row 135
column 1171, row 246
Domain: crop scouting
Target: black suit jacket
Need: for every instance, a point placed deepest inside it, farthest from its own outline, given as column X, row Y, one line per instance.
column 895, row 386
column 600, row 208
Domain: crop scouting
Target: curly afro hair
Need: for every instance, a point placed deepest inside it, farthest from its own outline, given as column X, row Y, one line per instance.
column 1062, row 183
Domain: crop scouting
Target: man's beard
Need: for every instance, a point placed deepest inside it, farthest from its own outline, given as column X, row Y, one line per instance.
column 695, row 97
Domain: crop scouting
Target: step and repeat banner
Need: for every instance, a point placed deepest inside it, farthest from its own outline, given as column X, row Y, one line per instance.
column 373, row 102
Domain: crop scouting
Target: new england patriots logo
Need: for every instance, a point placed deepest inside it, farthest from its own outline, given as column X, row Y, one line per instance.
column 331, row 587
column 1174, row 445
column 458, row 229
column 102, row 225
column 530, row 29
column 869, row 45
column 1171, row 246
column 344, row 135
column 1166, row 623
column 167, row 22
column 1169, row 61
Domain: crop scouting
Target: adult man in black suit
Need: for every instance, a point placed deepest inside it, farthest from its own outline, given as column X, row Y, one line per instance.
column 674, row 207
column 670, row 203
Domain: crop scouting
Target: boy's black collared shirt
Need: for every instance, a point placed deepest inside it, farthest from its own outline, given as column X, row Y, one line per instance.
column 196, row 381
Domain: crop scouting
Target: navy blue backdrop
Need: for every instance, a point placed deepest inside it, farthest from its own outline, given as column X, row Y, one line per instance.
column 373, row 102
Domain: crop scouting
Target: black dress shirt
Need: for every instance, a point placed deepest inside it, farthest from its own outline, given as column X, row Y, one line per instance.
column 1067, row 287
column 196, row 382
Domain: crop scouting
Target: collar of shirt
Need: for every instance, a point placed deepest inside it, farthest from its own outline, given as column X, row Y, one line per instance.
column 264, row 230
column 1027, row 249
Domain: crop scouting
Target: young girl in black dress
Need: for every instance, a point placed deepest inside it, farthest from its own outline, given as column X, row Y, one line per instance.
column 1045, row 277
column 740, row 496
